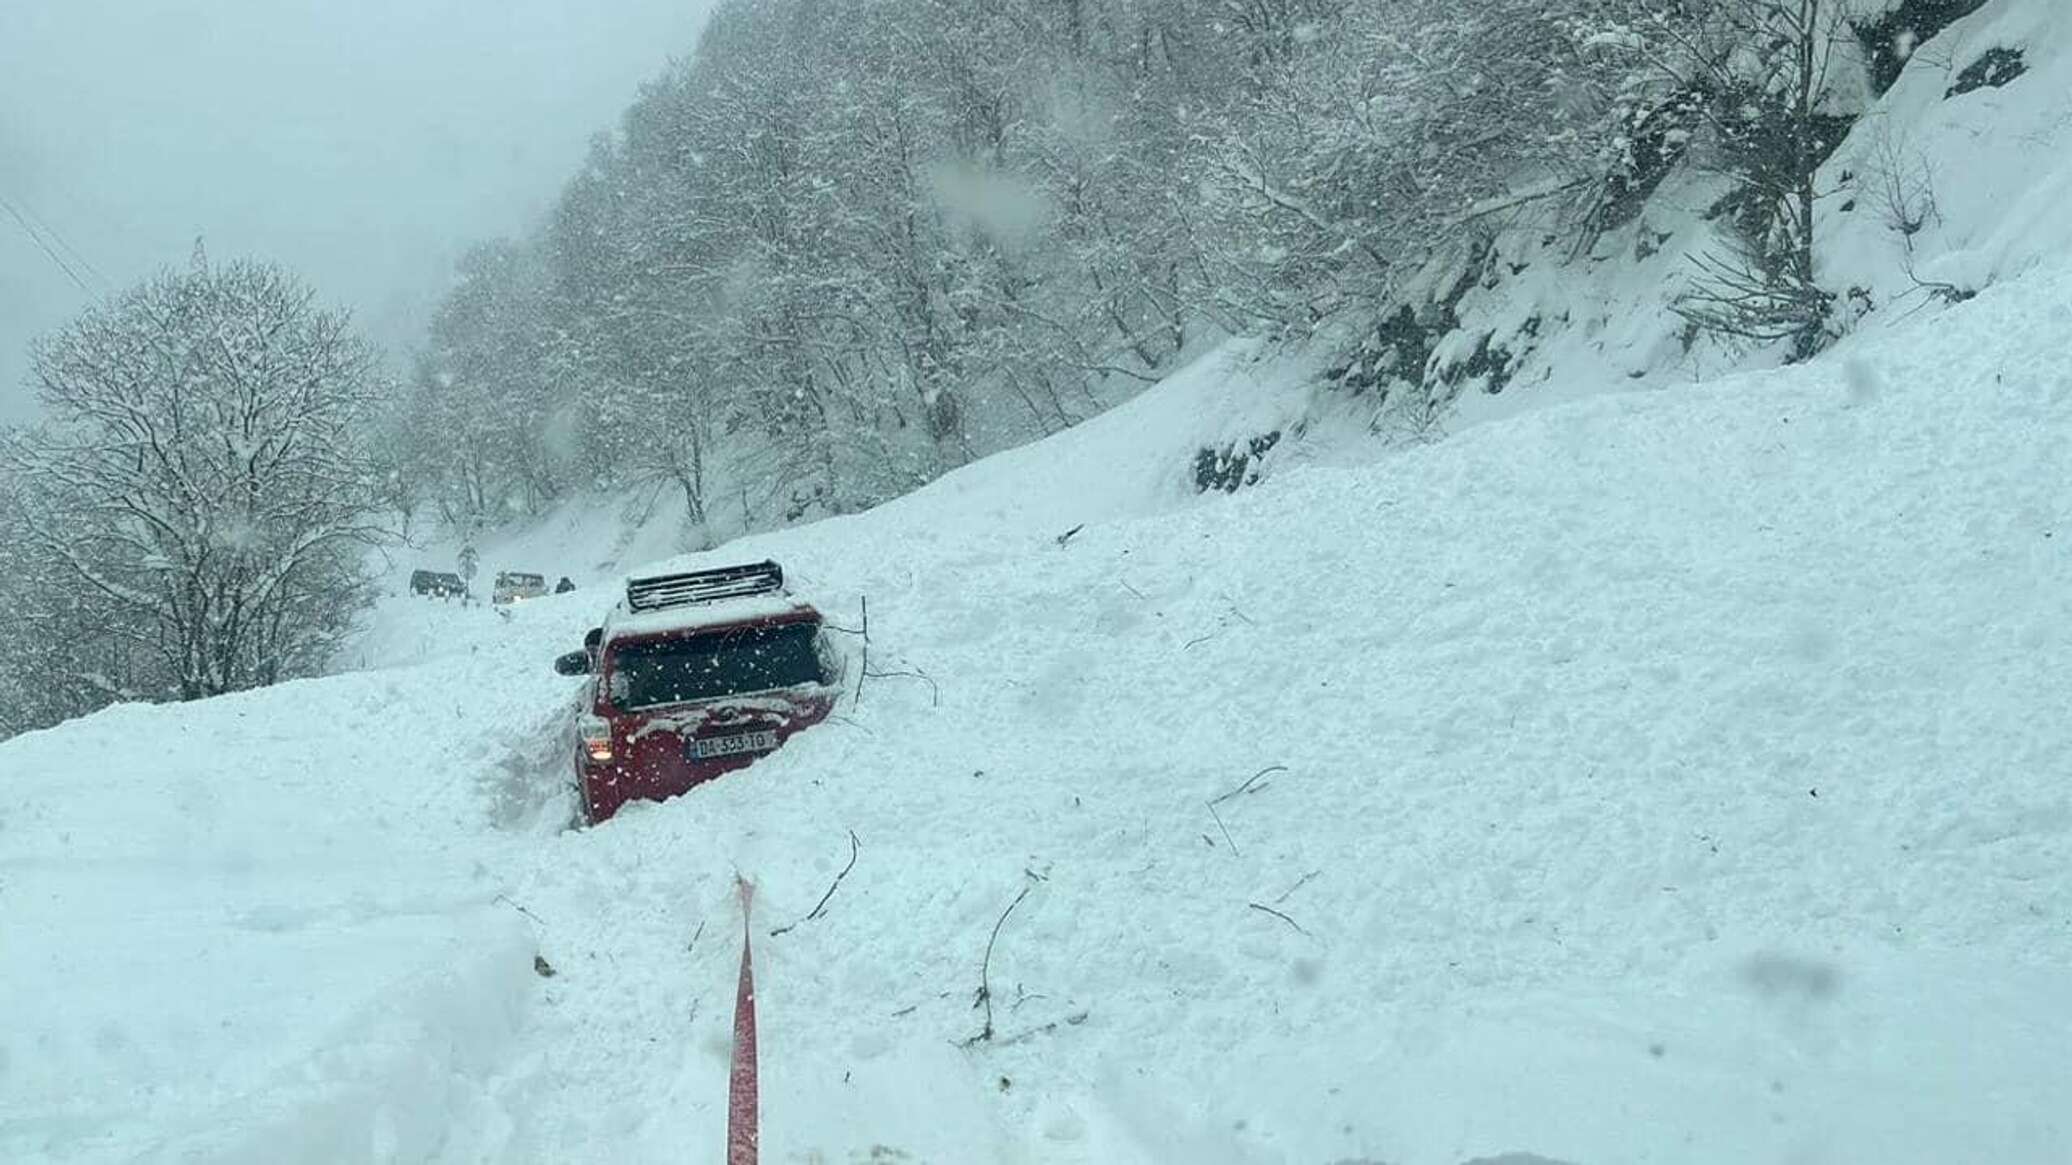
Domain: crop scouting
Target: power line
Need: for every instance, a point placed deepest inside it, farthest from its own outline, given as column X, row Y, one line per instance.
column 64, row 245
column 44, row 246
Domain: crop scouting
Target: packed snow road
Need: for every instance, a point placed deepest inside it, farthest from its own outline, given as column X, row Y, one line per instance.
column 1665, row 778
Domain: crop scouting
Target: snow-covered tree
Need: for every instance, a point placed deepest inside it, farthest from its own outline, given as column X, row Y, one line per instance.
column 490, row 414
column 1368, row 138
column 1771, row 87
column 63, row 648
column 201, row 481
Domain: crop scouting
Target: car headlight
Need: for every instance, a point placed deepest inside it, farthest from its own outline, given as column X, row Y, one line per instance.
column 596, row 734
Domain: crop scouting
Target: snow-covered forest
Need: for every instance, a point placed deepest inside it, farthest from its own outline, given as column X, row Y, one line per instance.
column 843, row 246
column 849, row 244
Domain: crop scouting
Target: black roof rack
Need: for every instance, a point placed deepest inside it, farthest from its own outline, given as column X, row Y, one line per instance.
column 704, row 586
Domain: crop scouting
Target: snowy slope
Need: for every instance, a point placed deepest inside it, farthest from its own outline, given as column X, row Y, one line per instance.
column 1985, row 173
column 1134, row 459
column 1674, row 777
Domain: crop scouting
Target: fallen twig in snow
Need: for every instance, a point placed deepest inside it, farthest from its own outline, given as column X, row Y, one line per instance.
column 865, row 673
column 1067, row 535
column 1279, row 915
column 1074, row 1019
column 934, row 691
column 1299, row 884
column 863, row 603
column 1251, row 784
column 695, row 936
column 506, row 900
column 821, row 907
column 984, row 998
column 1223, row 827
column 1221, row 625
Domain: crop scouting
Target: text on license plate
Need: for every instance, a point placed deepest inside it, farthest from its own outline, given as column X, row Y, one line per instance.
column 739, row 742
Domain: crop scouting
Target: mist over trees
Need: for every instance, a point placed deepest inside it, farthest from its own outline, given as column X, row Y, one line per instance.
column 847, row 245
column 850, row 244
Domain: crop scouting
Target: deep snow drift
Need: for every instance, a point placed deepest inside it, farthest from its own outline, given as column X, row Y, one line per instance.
column 1680, row 776
column 1673, row 777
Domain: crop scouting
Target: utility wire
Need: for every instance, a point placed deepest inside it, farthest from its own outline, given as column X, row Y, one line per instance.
column 63, row 243
column 43, row 245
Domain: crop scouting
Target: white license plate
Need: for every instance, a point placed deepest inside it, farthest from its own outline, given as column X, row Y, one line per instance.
column 740, row 742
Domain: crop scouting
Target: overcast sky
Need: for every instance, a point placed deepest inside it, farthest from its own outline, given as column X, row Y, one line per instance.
column 361, row 142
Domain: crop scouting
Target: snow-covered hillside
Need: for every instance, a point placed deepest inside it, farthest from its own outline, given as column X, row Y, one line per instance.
column 1665, row 777
column 1941, row 188
column 1130, row 460
column 1939, row 191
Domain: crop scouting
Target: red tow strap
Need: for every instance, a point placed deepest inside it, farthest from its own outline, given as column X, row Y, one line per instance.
column 743, row 1128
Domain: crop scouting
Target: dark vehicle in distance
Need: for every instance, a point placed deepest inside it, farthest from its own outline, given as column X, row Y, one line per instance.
column 437, row 584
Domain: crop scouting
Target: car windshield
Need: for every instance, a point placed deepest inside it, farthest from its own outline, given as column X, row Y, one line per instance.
column 726, row 663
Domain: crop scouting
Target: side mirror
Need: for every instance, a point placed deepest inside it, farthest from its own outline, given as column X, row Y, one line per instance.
column 575, row 663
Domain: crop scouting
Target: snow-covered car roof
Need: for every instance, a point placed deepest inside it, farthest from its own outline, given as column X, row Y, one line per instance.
column 623, row 623
column 717, row 597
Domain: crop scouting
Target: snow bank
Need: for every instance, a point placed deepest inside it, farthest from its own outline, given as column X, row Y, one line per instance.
column 242, row 930
column 1670, row 776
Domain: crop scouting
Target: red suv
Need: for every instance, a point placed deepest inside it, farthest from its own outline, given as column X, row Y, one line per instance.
column 694, row 675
